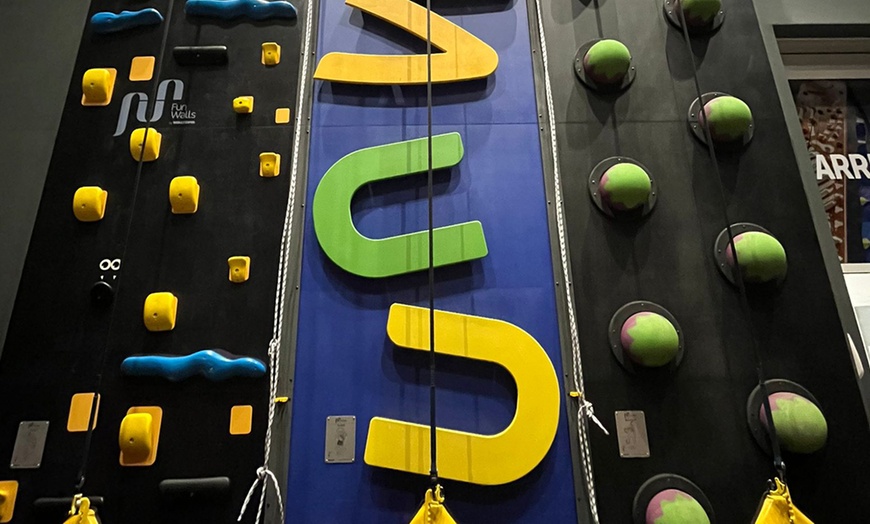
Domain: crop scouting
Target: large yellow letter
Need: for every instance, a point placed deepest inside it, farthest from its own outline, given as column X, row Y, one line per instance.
column 469, row 457
column 463, row 56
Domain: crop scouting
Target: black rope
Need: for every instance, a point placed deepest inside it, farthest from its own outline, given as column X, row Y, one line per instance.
column 778, row 463
column 80, row 479
column 433, row 440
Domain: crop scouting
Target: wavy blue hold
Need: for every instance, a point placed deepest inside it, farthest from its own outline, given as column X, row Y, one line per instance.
column 106, row 22
column 208, row 363
column 229, row 9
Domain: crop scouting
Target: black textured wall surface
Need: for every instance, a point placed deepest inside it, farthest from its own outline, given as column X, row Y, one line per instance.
column 696, row 417
column 58, row 344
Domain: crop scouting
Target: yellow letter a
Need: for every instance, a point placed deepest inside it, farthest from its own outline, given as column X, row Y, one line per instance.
column 463, row 56
column 470, row 457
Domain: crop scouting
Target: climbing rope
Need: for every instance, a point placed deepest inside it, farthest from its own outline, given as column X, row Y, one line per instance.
column 264, row 473
column 433, row 439
column 585, row 410
column 95, row 401
column 778, row 463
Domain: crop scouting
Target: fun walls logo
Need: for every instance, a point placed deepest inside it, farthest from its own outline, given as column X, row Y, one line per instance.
column 179, row 113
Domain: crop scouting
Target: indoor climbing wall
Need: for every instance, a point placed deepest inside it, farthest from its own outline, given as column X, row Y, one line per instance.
column 695, row 407
column 151, row 273
column 150, row 246
column 359, row 385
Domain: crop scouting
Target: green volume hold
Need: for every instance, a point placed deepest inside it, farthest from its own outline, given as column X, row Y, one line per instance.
column 385, row 257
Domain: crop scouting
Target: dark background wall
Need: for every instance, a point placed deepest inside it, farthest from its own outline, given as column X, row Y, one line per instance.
column 813, row 12
column 38, row 49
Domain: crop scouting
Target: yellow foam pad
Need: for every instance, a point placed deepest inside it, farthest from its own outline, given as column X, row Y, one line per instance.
column 184, row 195
column 240, row 268
column 240, row 420
column 89, row 203
column 243, row 104
column 142, row 68
column 271, row 54
column 8, row 494
column 80, row 412
column 282, row 115
column 150, row 142
column 160, row 311
column 270, row 164
column 139, row 435
column 97, row 86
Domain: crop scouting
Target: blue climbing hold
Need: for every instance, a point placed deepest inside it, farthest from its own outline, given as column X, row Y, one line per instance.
column 106, row 22
column 229, row 9
column 209, row 363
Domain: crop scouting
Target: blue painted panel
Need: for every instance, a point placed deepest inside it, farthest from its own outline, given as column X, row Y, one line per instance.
column 345, row 364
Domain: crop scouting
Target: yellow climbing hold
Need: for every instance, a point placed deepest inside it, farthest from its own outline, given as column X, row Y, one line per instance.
column 145, row 144
column 89, row 203
column 271, row 54
column 270, row 165
column 184, row 195
column 240, row 268
column 243, row 104
column 8, row 494
column 160, row 310
column 139, row 435
column 98, row 86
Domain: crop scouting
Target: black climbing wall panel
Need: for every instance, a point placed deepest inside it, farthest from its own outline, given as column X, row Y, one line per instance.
column 696, row 417
column 59, row 344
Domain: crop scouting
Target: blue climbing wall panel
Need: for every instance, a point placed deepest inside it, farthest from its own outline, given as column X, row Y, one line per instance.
column 345, row 364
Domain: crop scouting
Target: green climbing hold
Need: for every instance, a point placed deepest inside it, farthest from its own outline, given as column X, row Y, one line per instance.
column 728, row 118
column 607, row 62
column 800, row 424
column 699, row 13
column 650, row 339
column 762, row 258
column 673, row 506
column 625, row 186
column 384, row 257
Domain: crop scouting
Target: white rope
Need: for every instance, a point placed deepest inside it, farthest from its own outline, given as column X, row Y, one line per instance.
column 585, row 411
column 264, row 474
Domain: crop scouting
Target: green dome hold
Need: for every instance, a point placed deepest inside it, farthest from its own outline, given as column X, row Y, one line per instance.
column 650, row 339
column 625, row 186
column 800, row 424
column 762, row 258
column 700, row 13
column 728, row 118
column 607, row 62
column 673, row 506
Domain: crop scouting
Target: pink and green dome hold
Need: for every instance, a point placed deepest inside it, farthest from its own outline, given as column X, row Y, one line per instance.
column 699, row 13
column 800, row 424
column 650, row 339
column 762, row 258
column 673, row 506
column 728, row 118
column 607, row 62
column 625, row 187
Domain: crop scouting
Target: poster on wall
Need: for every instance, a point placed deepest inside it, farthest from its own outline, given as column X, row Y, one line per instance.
column 834, row 118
